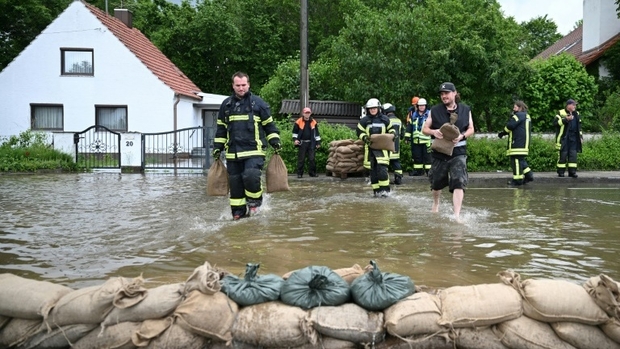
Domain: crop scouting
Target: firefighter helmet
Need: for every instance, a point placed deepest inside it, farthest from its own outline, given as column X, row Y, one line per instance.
column 422, row 101
column 373, row 103
column 389, row 108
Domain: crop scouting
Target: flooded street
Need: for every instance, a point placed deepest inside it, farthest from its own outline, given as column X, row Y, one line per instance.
column 79, row 229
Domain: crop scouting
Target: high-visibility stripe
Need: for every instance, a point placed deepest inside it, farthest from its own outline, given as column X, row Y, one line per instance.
column 267, row 121
column 237, row 202
column 239, row 118
column 243, row 154
column 219, row 140
column 384, row 183
column 272, row 136
column 254, row 195
column 375, row 185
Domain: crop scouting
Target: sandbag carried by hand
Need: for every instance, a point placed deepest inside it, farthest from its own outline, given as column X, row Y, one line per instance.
column 252, row 289
column 382, row 141
column 276, row 175
column 217, row 179
column 446, row 145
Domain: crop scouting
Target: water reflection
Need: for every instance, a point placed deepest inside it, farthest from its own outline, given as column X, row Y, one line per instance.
column 78, row 229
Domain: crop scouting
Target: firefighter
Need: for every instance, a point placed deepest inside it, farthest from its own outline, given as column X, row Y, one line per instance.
column 519, row 130
column 389, row 111
column 244, row 126
column 420, row 143
column 376, row 122
column 568, row 138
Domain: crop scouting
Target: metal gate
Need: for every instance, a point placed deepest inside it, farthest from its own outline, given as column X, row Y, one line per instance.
column 186, row 150
column 97, row 147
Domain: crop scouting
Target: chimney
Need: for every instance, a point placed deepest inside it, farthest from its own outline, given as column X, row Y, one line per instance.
column 125, row 16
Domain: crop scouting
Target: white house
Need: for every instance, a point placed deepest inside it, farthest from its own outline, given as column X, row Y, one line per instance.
column 89, row 68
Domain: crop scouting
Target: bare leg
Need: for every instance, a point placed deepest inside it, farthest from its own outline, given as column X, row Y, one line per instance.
column 436, row 194
column 457, row 202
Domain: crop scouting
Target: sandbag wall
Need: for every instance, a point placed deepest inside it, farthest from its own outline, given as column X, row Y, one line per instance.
column 121, row 313
column 345, row 156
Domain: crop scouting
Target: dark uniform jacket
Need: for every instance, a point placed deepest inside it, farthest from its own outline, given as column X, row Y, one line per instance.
column 440, row 116
column 374, row 125
column 567, row 130
column 244, row 126
column 519, row 129
column 298, row 129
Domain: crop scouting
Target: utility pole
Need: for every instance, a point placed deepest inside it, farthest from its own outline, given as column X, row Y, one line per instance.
column 305, row 94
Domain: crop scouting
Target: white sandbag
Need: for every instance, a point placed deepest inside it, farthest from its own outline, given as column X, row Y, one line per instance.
column 18, row 330
column 160, row 302
column 477, row 338
column 90, row 305
column 58, row 338
column 560, row 301
column 606, row 293
column 415, row 315
column 116, row 336
column 583, row 336
column 439, row 341
column 348, row 322
column 207, row 315
column 479, row 305
column 526, row 333
column 28, row 299
column 612, row 329
column 273, row 324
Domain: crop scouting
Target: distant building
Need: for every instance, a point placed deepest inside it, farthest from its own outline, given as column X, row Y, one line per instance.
column 334, row 112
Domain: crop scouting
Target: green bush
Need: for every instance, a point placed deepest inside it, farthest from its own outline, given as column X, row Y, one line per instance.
column 30, row 152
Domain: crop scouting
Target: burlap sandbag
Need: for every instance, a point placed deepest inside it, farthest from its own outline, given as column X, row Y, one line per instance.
column 205, row 279
column 159, row 303
column 115, row 336
column 524, row 332
column 4, row 320
column 344, row 150
column 276, row 175
column 210, row 316
column 58, row 338
column 273, row 324
column 90, row 305
column 177, row 337
column 439, row 341
column 348, row 322
column 612, row 329
column 445, row 145
column 583, row 336
column 18, row 330
column 479, row 305
column 28, row 299
column 383, row 141
column 323, row 342
column 605, row 292
column 217, row 179
column 415, row 315
column 149, row 330
column 477, row 338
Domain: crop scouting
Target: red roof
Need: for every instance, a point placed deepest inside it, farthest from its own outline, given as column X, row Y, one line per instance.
column 148, row 53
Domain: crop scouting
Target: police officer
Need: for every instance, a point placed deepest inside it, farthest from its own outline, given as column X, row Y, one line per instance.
column 420, row 143
column 519, row 128
column 244, row 126
column 390, row 110
column 376, row 122
column 568, row 138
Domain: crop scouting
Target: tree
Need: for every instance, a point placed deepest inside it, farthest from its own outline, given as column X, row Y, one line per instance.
column 540, row 33
column 555, row 80
column 21, row 21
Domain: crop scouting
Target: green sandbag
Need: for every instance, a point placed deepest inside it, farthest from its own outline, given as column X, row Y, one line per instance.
column 252, row 289
column 376, row 291
column 315, row 286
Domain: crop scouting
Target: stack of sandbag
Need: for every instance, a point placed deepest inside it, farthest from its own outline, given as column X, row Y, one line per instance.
column 345, row 156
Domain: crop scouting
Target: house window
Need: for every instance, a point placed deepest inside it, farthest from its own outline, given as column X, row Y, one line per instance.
column 46, row 116
column 77, row 61
column 112, row 117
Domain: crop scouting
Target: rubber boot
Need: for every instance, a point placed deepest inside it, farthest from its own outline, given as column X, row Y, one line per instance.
column 398, row 179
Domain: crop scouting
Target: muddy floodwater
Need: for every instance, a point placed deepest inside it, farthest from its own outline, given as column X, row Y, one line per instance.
column 79, row 229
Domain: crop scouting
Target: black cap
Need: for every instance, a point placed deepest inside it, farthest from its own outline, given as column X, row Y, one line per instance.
column 447, row 87
column 571, row 101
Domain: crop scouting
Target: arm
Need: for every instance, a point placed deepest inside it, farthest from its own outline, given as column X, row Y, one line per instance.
column 426, row 129
column 469, row 132
column 317, row 136
column 221, row 131
column 269, row 126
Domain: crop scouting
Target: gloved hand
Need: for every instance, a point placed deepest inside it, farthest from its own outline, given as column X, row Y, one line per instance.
column 366, row 139
column 216, row 153
column 502, row 134
column 277, row 147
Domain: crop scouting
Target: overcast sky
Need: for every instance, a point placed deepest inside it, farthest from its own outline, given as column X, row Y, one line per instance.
column 565, row 13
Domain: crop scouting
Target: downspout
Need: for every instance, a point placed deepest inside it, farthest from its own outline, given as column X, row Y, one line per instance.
column 176, row 145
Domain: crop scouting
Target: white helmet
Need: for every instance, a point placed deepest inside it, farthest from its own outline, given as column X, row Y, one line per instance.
column 422, row 101
column 389, row 108
column 373, row 103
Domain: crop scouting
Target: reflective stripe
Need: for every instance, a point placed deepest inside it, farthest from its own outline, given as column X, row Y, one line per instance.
column 222, row 123
column 219, row 140
column 244, row 154
column 252, row 195
column 384, row 183
column 377, row 125
column 239, row 118
column 295, row 135
column 272, row 136
column 237, row 202
column 269, row 120
column 375, row 185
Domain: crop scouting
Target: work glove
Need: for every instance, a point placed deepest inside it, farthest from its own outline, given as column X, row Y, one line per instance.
column 502, row 134
column 277, row 147
column 216, row 153
column 366, row 139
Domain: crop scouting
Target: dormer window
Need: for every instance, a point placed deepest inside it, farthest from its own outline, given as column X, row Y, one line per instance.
column 77, row 61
